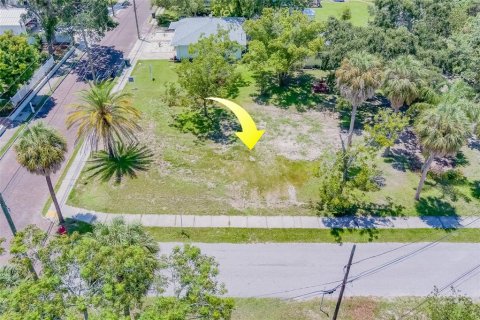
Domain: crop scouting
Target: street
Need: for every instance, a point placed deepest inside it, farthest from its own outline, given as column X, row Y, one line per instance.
column 281, row 270
column 25, row 193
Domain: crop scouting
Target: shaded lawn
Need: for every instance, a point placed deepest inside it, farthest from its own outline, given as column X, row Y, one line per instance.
column 245, row 235
column 359, row 10
column 199, row 176
column 193, row 176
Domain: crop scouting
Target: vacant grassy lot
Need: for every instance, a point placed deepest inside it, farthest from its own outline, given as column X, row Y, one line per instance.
column 201, row 176
column 357, row 308
column 358, row 8
column 238, row 235
column 197, row 176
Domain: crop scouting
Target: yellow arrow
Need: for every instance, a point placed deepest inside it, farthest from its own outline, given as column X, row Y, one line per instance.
column 249, row 135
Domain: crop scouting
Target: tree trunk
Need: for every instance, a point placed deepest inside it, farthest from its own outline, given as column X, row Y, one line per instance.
column 388, row 151
column 113, row 8
column 54, row 199
column 205, row 111
column 89, row 54
column 50, row 48
column 85, row 314
column 425, row 168
column 352, row 125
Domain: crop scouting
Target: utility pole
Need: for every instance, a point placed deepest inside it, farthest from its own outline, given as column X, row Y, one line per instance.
column 136, row 18
column 6, row 212
column 345, row 278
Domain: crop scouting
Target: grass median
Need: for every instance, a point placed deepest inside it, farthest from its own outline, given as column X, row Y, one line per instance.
column 245, row 235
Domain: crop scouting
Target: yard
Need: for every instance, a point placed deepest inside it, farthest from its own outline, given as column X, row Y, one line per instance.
column 315, row 309
column 358, row 8
column 278, row 177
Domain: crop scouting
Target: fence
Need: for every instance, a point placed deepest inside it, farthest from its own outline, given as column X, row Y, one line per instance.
column 36, row 78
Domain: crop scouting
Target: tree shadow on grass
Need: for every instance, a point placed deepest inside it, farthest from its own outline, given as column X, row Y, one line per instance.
column 437, row 213
column 219, row 126
column 365, row 112
column 475, row 189
column 296, row 92
column 74, row 225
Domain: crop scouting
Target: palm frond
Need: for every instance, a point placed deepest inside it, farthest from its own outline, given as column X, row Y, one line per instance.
column 41, row 150
column 128, row 160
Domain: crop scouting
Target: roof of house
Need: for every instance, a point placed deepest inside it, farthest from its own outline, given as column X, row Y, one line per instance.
column 190, row 30
column 11, row 16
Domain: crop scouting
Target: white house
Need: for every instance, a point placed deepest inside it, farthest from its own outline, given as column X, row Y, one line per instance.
column 11, row 19
column 189, row 30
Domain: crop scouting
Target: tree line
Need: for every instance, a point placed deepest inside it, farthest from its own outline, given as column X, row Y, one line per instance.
column 112, row 271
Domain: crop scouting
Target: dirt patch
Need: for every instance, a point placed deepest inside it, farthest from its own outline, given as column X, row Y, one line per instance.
column 298, row 135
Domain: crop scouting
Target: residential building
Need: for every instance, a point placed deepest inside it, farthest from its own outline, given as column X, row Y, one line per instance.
column 189, row 30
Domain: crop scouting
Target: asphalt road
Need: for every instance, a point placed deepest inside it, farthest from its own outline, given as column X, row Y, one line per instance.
column 24, row 193
column 282, row 270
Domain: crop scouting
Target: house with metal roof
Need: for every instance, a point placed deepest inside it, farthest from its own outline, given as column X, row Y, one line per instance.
column 189, row 30
column 11, row 19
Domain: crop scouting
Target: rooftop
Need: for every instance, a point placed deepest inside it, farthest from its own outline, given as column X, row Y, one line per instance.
column 11, row 16
column 190, row 30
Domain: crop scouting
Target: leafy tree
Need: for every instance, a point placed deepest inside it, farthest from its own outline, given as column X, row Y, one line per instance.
column 404, row 81
column 454, row 307
column 343, row 176
column 391, row 14
column 106, row 272
column 127, row 161
column 105, row 117
column 88, row 19
column 464, row 52
column 212, row 73
column 386, row 128
column 357, row 79
column 346, row 14
column 195, row 286
column 32, row 299
column 18, row 62
column 250, row 8
column 342, row 37
column 184, row 7
column 441, row 131
column 48, row 14
column 280, row 42
column 41, row 150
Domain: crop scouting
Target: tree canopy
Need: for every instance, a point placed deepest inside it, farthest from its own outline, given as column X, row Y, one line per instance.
column 18, row 62
column 280, row 42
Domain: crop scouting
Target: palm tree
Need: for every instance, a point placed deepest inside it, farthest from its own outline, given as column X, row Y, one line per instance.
column 105, row 117
column 404, row 81
column 358, row 77
column 127, row 160
column 41, row 150
column 120, row 233
column 441, row 131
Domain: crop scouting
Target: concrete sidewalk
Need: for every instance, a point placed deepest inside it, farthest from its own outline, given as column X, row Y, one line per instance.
column 276, row 222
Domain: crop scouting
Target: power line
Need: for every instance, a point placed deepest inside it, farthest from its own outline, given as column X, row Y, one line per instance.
column 449, row 285
column 414, row 242
column 376, row 269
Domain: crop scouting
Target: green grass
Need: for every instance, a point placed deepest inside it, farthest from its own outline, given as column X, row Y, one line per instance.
column 244, row 235
column 356, row 308
column 201, row 176
column 359, row 10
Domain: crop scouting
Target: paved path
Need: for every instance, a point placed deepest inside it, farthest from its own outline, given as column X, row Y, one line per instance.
column 274, row 222
column 25, row 193
column 279, row 270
